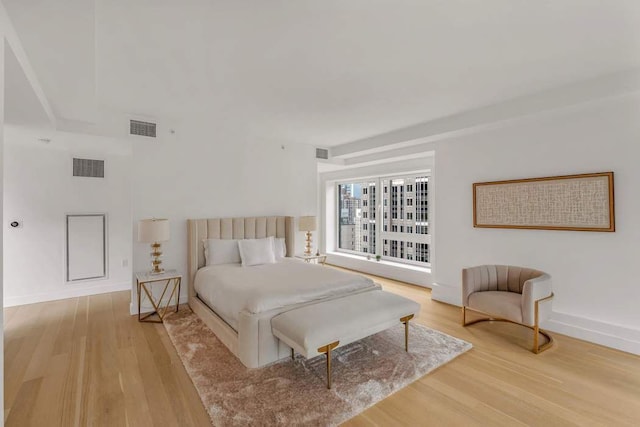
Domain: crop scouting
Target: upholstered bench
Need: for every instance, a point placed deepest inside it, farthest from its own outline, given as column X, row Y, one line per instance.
column 320, row 328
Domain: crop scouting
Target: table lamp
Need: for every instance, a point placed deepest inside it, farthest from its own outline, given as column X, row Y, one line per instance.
column 154, row 231
column 308, row 224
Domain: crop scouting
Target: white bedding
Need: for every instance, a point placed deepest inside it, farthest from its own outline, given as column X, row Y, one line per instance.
column 229, row 289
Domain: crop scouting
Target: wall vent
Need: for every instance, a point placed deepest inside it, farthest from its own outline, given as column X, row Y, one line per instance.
column 137, row 127
column 322, row 153
column 88, row 167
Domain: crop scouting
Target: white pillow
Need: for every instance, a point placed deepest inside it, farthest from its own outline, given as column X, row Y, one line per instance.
column 279, row 248
column 221, row 251
column 256, row 251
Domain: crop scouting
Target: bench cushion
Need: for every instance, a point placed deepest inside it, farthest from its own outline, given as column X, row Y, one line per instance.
column 347, row 319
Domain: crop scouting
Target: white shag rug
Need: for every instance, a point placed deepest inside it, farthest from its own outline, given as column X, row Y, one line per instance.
column 293, row 392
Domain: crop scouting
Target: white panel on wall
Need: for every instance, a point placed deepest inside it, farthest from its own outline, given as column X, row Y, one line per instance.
column 86, row 244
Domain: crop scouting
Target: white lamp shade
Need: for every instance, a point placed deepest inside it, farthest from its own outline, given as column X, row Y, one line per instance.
column 307, row 223
column 153, row 230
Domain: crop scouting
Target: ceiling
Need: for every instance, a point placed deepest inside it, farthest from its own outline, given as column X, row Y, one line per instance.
column 317, row 72
column 22, row 106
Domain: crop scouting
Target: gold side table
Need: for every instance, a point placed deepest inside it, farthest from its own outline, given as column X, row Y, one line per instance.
column 317, row 259
column 145, row 281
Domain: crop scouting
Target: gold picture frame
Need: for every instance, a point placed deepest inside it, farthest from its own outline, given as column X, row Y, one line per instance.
column 583, row 202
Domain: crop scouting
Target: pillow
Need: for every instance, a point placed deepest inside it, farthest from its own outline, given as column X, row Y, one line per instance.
column 256, row 251
column 221, row 251
column 279, row 248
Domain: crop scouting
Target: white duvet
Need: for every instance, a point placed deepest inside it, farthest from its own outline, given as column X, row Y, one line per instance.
column 229, row 289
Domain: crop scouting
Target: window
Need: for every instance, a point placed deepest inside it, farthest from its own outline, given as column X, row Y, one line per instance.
column 356, row 208
column 401, row 233
column 422, row 252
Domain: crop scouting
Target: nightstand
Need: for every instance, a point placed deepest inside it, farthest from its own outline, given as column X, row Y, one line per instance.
column 317, row 259
column 146, row 282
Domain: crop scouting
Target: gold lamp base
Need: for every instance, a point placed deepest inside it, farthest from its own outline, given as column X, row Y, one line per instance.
column 307, row 248
column 156, row 262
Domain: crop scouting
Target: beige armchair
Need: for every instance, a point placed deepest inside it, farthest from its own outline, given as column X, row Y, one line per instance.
column 506, row 293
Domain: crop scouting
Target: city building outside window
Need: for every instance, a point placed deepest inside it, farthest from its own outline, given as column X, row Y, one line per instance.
column 401, row 233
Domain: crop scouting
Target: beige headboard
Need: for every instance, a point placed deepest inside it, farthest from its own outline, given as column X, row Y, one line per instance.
column 234, row 228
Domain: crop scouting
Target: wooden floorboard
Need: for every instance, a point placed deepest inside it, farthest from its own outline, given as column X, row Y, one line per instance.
column 86, row 361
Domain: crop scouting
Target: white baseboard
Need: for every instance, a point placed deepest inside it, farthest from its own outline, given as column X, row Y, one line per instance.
column 606, row 334
column 595, row 331
column 65, row 293
column 449, row 294
column 404, row 273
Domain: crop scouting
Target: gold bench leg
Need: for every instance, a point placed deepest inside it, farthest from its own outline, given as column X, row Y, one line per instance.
column 405, row 320
column 326, row 349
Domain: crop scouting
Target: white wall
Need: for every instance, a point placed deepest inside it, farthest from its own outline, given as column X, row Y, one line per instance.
column 40, row 190
column 2, row 47
column 595, row 275
column 204, row 172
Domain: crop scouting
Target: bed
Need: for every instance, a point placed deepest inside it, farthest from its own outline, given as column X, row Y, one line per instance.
column 238, row 303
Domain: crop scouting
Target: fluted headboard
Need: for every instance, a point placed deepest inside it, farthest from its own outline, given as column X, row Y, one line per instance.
column 234, row 228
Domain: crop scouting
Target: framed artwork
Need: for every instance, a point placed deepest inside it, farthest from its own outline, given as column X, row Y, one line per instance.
column 572, row 202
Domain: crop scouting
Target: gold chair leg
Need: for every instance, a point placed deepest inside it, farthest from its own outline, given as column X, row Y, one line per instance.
column 326, row 349
column 405, row 320
column 537, row 348
column 464, row 316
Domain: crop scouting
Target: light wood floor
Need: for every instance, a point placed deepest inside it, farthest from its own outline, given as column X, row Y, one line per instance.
column 85, row 361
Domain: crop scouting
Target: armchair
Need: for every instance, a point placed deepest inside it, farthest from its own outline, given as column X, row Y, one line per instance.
column 507, row 293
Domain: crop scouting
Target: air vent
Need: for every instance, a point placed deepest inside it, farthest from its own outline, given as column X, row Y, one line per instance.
column 322, row 153
column 88, row 168
column 137, row 127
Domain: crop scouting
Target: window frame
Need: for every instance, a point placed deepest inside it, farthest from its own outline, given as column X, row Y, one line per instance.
column 380, row 234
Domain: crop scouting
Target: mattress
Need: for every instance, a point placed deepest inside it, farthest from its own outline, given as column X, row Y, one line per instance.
column 229, row 289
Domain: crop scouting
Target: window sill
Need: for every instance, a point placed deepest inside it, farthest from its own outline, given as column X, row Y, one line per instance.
column 381, row 262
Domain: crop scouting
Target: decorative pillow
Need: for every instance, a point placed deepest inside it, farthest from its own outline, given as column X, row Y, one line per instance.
column 279, row 248
column 256, row 251
column 221, row 251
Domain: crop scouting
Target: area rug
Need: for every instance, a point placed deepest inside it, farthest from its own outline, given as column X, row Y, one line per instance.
column 293, row 392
